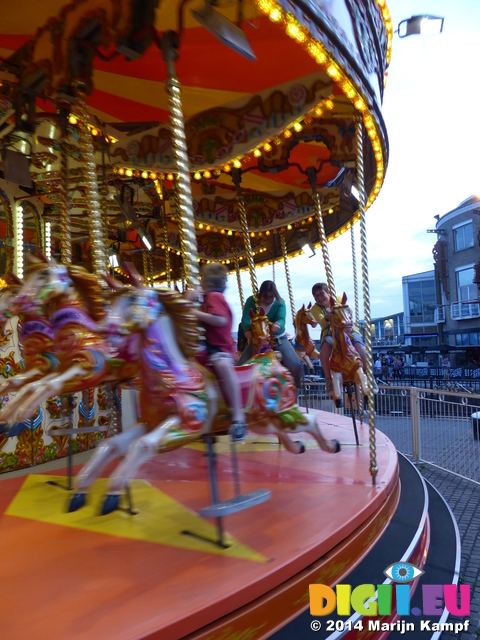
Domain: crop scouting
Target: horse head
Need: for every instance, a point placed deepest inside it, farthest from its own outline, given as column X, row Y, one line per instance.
column 45, row 281
column 261, row 332
column 304, row 316
column 340, row 314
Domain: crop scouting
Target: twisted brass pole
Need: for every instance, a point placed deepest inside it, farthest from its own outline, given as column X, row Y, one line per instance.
column 355, row 279
column 65, row 232
column 287, row 275
column 239, row 280
column 150, row 268
column 145, row 268
column 366, row 296
column 179, row 145
column 323, row 243
column 94, row 210
column 242, row 212
column 273, row 271
column 167, row 251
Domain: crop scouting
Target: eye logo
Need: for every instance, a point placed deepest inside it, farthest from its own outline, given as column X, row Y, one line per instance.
column 403, row 572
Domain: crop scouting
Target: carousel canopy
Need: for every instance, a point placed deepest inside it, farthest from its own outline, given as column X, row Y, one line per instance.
column 285, row 119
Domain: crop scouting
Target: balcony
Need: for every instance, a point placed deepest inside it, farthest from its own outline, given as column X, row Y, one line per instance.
column 464, row 310
column 439, row 315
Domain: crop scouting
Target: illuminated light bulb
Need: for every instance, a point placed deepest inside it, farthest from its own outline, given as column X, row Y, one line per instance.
column 287, row 134
column 95, row 132
column 330, row 210
column 310, row 219
column 129, row 173
column 121, row 171
column 222, row 230
column 72, row 119
column 163, row 246
column 267, row 233
column 178, row 253
column 252, row 235
column 153, row 175
column 227, row 168
column 197, row 175
column 328, row 104
column 333, row 72
column 207, row 174
column 200, row 226
column 144, row 175
column 321, row 57
column 267, row 147
column 275, row 14
column 228, row 261
column 208, row 227
column 230, row 232
column 170, row 177
column 289, row 226
column 237, row 164
column 297, row 126
column 257, row 153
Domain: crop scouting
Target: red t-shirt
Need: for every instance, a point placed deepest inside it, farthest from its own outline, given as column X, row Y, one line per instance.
column 219, row 337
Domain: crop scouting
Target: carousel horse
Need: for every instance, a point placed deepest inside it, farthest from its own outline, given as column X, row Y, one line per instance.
column 262, row 337
column 180, row 402
column 345, row 363
column 302, row 343
column 66, row 349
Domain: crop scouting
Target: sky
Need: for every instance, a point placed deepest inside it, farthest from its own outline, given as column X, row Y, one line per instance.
column 431, row 109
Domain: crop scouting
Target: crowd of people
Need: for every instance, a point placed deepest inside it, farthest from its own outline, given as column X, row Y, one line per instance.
column 388, row 367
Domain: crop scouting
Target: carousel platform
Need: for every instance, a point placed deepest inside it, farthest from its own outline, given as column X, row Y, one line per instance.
column 159, row 574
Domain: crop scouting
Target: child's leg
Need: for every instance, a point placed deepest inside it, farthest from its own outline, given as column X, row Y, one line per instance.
column 325, row 353
column 228, row 384
column 360, row 349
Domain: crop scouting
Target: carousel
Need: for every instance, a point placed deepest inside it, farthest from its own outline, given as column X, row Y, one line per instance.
column 139, row 141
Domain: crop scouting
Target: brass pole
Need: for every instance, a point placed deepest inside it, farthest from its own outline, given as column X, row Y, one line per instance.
column 287, row 275
column 323, row 243
column 366, row 296
column 242, row 210
column 146, row 277
column 65, row 232
column 94, row 211
column 179, row 144
column 273, row 271
column 239, row 280
column 167, row 250
column 355, row 278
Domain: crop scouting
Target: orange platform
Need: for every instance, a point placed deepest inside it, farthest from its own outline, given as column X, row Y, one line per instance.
column 84, row 576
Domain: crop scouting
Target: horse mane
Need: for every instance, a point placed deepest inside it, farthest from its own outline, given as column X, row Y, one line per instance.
column 186, row 324
column 90, row 291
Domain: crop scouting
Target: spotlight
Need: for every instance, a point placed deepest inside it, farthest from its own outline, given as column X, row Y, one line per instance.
column 224, row 30
column 420, row 25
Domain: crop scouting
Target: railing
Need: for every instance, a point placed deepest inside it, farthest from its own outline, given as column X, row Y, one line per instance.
column 437, row 426
column 464, row 310
column 439, row 315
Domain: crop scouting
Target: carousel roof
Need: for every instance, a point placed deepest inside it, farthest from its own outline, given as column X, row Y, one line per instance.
column 286, row 119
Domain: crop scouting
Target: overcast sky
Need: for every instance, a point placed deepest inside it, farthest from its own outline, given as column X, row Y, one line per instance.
column 432, row 111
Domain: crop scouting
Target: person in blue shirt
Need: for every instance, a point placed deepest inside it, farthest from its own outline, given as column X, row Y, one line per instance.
column 276, row 310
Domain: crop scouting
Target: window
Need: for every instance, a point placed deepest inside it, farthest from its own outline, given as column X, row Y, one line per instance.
column 463, row 236
column 466, row 289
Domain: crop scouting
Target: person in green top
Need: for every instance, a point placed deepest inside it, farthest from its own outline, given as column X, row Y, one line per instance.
column 276, row 310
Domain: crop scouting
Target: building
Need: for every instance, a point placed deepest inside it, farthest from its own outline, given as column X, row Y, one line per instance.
column 387, row 333
column 457, row 310
column 419, row 303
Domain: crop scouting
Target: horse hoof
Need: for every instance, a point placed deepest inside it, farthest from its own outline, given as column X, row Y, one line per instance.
column 110, row 503
column 301, row 446
column 337, row 446
column 338, row 403
column 77, row 502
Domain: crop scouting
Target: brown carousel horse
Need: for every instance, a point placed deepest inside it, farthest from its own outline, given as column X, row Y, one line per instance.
column 302, row 343
column 345, row 363
column 262, row 337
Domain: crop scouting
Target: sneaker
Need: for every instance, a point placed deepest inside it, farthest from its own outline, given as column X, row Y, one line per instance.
column 329, row 387
column 238, row 431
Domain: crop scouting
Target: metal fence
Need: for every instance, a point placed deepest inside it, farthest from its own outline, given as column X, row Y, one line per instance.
column 437, row 426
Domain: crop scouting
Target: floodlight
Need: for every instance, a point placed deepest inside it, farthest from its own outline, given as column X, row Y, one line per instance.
column 420, row 25
column 224, row 30
column 146, row 238
column 307, row 248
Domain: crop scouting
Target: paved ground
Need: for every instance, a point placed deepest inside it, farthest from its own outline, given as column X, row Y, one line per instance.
column 463, row 498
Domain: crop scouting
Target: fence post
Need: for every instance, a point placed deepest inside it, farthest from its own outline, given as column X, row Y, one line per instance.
column 415, row 414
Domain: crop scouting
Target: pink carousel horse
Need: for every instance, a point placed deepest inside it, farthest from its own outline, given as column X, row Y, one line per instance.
column 180, row 402
column 345, row 363
column 302, row 343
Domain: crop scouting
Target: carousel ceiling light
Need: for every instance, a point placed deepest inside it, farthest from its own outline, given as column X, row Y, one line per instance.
column 145, row 238
column 224, row 30
column 420, row 25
